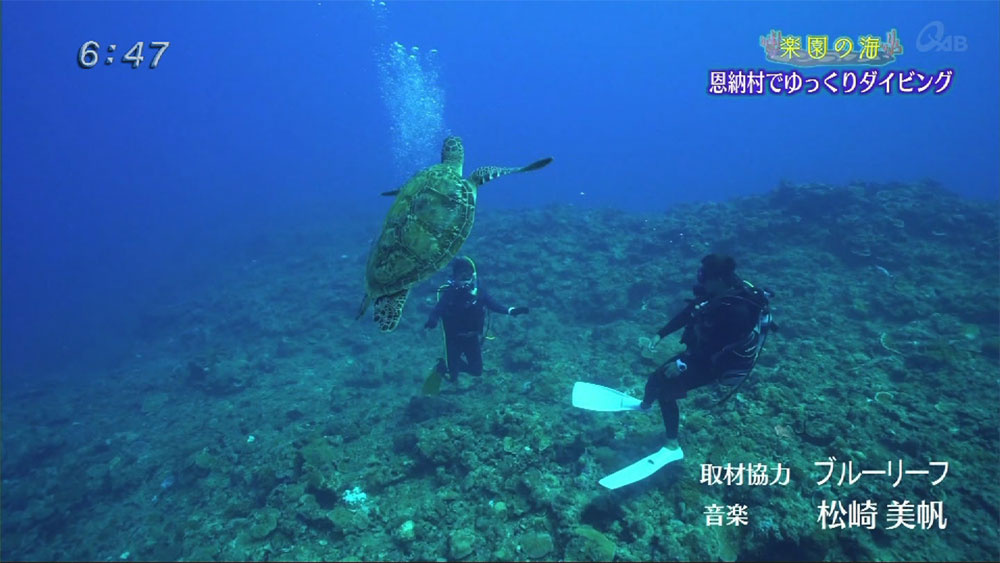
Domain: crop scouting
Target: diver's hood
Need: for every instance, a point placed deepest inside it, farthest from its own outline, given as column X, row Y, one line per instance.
column 470, row 283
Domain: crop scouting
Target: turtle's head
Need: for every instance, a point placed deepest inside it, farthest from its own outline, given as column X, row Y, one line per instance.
column 452, row 152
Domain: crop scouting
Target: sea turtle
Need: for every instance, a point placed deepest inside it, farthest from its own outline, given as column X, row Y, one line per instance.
column 426, row 226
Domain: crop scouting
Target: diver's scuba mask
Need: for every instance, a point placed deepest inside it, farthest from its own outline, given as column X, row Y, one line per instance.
column 468, row 283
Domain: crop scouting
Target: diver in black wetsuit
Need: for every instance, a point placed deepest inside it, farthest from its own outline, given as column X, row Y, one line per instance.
column 462, row 306
column 725, row 326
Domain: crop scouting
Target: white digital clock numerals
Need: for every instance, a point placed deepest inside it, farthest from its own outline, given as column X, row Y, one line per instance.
column 88, row 56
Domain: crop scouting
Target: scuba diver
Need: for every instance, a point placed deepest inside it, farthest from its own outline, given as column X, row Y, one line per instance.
column 725, row 327
column 462, row 306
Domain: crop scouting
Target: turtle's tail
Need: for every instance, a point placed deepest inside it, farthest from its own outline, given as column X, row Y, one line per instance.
column 484, row 174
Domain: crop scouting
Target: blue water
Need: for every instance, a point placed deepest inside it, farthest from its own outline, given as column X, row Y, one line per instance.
column 120, row 182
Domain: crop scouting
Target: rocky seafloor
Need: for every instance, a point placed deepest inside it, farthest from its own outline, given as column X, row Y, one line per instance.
column 258, row 420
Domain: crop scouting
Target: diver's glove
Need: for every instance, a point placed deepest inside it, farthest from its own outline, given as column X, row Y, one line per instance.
column 430, row 323
column 515, row 311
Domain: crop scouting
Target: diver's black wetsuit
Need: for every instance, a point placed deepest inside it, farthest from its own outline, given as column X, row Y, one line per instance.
column 464, row 316
column 715, row 332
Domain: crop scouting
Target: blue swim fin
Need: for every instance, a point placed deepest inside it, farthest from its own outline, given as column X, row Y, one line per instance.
column 599, row 398
column 642, row 468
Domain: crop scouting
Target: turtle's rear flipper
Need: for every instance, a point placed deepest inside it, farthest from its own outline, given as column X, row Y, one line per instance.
column 484, row 174
column 389, row 309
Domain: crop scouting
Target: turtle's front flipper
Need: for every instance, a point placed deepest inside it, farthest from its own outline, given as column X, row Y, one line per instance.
column 389, row 309
column 484, row 174
column 364, row 306
column 536, row 165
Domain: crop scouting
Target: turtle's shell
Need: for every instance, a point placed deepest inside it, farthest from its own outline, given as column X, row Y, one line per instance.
column 425, row 228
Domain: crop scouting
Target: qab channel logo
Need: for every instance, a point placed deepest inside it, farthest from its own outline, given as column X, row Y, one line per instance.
column 933, row 39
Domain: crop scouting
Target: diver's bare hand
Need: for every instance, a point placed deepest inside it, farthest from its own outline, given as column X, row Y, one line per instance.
column 654, row 341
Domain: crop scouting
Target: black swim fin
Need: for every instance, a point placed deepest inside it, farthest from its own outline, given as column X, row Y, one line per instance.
column 432, row 385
